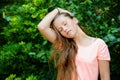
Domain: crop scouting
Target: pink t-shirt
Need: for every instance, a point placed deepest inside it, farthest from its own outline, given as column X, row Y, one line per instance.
column 87, row 59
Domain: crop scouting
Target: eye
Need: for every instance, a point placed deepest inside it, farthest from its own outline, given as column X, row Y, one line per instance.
column 60, row 29
column 65, row 23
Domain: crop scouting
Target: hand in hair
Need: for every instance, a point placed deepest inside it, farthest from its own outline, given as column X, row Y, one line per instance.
column 60, row 10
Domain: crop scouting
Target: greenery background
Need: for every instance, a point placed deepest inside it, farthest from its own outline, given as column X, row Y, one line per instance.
column 24, row 53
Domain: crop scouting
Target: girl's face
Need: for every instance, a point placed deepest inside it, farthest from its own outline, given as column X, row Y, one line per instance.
column 66, row 26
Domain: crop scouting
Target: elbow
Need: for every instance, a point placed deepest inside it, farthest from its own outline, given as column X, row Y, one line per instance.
column 40, row 27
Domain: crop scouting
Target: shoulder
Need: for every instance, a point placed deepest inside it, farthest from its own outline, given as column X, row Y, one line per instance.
column 103, row 51
column 101, row 43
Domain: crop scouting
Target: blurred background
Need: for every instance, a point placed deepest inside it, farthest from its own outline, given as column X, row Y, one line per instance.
column 24, row 52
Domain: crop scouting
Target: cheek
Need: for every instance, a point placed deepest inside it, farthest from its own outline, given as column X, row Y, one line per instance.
column 71, row 24
column 64, row 34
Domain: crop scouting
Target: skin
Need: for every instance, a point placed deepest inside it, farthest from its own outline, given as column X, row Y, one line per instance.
column 66, row 26
column 69, row 28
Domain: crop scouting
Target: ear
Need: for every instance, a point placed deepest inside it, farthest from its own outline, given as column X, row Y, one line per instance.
column 75, row 20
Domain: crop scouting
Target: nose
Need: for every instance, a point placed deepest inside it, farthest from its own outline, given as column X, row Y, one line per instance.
column 65, row 29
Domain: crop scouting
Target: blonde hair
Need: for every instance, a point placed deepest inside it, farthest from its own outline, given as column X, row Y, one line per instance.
column 63, row 53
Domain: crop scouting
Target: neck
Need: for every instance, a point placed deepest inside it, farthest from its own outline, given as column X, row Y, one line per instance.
column 80, row 36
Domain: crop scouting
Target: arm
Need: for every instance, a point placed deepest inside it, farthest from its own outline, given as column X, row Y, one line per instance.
column 44, row 26
column 104, row 69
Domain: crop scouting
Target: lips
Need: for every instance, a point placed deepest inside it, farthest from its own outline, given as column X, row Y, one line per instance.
column 68, row 31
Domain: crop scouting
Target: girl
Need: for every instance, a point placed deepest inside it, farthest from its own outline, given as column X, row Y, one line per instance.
column 77, row 56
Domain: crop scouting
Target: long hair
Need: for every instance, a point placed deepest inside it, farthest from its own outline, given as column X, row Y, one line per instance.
column 63, row 53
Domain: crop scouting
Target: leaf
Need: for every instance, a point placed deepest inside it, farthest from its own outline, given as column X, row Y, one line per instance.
column 11, row 77
column 8, row 18
column 89, row 13
column 107, row 8
column 119, row 17
column 111, row 37
column 32, row 53
column 35, row 15
column 31, row 77
column 45, row 42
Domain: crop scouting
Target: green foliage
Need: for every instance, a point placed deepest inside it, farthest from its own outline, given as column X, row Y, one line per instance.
column 13, row 77
column 24, row 52
column 31, row 77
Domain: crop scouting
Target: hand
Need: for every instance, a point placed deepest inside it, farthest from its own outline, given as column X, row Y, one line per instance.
column 63, row 11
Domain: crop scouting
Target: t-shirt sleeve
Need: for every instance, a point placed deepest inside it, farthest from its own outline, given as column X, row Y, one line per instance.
column 103, row 52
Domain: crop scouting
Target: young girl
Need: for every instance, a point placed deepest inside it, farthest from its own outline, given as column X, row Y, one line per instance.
column 77, row 56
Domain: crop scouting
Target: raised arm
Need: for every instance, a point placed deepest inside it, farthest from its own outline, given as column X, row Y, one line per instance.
column 44, row 26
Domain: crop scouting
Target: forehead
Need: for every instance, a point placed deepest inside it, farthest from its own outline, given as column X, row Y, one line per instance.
column 60, row 20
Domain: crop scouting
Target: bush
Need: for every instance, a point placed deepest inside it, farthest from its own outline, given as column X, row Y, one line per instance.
column 24, row 52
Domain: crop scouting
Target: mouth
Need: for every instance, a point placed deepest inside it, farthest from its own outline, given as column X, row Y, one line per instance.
column 68, row 31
